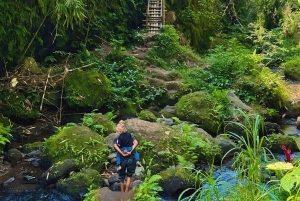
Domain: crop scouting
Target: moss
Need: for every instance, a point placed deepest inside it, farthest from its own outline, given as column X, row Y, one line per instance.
column 99, row 123
column 80, row 183
column 292, row 68
column 22, row 105
column 77, row 142
column 147, row 115
column 27, row 148
column 199, row 108
column 183, row 173
column 30, row 67
column 275, row 141
column 87, row 89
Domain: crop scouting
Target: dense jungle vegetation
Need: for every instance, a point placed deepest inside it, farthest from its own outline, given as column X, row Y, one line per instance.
column 76, row 55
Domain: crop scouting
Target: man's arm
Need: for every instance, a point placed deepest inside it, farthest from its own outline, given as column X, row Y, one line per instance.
column 135, row 143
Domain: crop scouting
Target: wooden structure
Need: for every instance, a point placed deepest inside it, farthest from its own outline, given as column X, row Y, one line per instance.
column 155, row 16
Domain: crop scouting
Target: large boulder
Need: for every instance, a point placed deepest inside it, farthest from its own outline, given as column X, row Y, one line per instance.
column 77, row 142
column 87, row 89
column 59, row 170
column 175, row 180
column 199, row 108
column 162, row 144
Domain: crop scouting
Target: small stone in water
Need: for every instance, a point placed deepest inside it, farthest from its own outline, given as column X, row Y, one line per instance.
column 28, row 178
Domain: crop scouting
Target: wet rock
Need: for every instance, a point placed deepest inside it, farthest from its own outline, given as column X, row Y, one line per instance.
column 110, row 139
column 13, row 156
column 58, row 171
column 298, row 123
column 113, row 178
column 115, row 186
column 79, row 183
column 225, row 144
column 8, row 181
column 271, row 128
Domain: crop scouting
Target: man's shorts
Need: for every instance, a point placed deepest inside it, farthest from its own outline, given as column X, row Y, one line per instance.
column 128, row 166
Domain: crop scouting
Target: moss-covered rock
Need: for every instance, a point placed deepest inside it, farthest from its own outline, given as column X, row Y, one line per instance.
column 77, row 142
column 59, row 170
column 87, row 89
column 80, row 183
column 147, row 115
column 176, row 179
column 275, row 141
column 199, row 108
column 27, row 148
column 99, row 123
column 22, row 105
column 161, row 145
column 292, row 68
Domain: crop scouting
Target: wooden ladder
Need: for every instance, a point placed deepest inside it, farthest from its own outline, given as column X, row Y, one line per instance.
column 155, row 16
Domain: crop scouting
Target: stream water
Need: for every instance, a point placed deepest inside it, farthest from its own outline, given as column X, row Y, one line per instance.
column 19, row 190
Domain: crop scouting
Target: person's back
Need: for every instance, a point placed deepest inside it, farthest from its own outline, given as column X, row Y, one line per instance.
column 125, row 142
column 125, row 145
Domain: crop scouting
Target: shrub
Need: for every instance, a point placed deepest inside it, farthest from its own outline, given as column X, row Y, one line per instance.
column 292, row 68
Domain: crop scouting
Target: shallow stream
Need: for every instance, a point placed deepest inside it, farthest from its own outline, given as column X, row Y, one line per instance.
column 21, row 190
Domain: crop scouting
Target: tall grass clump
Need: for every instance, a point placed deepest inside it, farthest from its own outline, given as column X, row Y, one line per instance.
column 249, row 157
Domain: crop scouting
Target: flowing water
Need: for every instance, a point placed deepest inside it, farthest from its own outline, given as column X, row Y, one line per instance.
column 18, row 190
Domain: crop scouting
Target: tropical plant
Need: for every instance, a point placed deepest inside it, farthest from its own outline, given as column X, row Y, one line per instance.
column 5, row 136
column 148, row 189
column 249, row 150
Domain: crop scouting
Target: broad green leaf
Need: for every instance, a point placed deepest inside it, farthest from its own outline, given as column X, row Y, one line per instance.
column 280, row 166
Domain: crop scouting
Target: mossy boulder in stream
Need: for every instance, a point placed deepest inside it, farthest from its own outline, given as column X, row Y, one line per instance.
column 77, row 142
column 78, row 184
column 275, row 141
column 176, row 179
column 87, row 89
column 199, row 108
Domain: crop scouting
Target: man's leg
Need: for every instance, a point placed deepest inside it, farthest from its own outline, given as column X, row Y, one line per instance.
column 127, row 184
column 122, row 186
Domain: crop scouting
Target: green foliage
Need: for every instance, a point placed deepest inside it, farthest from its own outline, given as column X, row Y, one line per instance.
column 168, row 53
column 191, row 146
column 77, row 142
column 227, row 63
column 198, row 20
column 5, row 136
column 267, row 89
column 148, row 189
column 147, row 115
column 250, row 149
column 20, row 104
column 87, row 89
column 90, row 196
column 193, row 79
column 292, row 68
column 267, row 43
column 99, row 123
column 290, row 182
